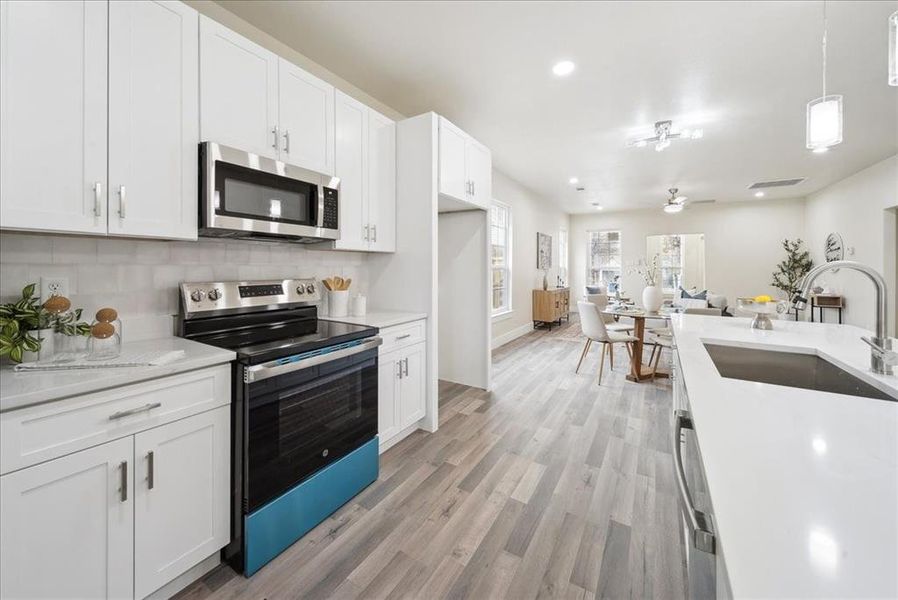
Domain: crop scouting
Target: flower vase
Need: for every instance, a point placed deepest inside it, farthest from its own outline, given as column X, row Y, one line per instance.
column 545, row 281
column 652, row 298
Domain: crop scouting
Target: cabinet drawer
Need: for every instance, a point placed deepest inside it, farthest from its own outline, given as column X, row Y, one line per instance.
column 39, row 433
column 400, row 336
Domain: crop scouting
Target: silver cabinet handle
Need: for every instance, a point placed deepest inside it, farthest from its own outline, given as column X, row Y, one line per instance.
column 399, row 369
column 367, row 232
column 287, row 141
column 121, row 201
column 405, row 360
column 699, row 522
column 134, row 411
column 403, row 336
column 473, row 188
column 123, row 490
column 98, row 199
column 151, row 469
column 374, row 229
column 274, row 131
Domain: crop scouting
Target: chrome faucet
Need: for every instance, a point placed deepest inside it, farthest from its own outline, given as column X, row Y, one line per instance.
column 883, row 357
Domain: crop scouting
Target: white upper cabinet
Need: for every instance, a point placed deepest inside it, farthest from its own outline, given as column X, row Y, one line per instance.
column 352, row 169
column 306, row 117
column 453, row 181
column 366, row 166
column 53, row 101
column 479, row 167
column 238, row 91
column 66, row 526
column 465, row 170
column 381, row 182
column 180, row 506
column 153, row 119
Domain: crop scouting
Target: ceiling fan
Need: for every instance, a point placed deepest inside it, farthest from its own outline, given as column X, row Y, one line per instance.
column 675, row 203
column 664, row 133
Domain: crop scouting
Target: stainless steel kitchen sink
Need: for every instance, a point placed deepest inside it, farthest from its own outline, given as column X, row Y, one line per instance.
column 807, row 371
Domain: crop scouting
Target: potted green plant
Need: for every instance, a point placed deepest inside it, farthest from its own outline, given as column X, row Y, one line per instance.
column 27, row 326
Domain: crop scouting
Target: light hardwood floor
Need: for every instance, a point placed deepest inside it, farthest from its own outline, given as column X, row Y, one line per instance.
column 550, row 486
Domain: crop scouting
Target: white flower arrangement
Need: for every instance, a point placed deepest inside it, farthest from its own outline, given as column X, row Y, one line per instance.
column 648, row 271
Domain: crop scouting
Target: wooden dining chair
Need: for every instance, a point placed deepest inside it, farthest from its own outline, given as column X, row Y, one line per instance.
column 594, row 329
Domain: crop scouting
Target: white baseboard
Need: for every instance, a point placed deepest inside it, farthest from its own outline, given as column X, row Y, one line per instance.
column 187, row 577
column 385, row 445
column 501, row 340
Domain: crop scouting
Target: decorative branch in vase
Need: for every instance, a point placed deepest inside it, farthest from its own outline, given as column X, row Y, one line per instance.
column 652, row 298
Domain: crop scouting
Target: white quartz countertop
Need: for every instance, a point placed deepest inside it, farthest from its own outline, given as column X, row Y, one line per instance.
column 804, row 484
column 18, row 390
column 380, row 318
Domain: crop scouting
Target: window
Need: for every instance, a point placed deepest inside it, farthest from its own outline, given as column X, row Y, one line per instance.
column 562, row 254
column 500, row 256
column 670, row 261
column 604, row 257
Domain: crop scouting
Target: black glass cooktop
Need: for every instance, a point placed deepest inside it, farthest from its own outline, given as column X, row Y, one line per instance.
column 260, row 342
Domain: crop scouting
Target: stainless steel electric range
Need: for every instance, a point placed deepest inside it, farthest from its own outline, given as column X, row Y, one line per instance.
column 304, row 410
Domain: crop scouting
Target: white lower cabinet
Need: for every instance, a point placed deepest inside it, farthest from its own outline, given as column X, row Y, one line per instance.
column 122, row 518
column 67, row 526
column 181, row 497
column 401, row 391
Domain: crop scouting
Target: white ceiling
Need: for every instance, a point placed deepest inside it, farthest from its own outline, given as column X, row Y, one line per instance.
column 742, row 71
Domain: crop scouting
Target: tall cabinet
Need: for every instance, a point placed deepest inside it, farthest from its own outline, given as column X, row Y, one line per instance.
column 465, row 170
column 101, row 82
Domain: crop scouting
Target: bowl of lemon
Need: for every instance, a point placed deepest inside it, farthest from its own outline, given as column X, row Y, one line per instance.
column 762, row 308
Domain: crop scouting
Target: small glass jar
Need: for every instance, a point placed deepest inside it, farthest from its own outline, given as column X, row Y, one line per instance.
column 105, row 336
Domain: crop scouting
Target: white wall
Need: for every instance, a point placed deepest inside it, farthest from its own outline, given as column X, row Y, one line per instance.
column 530, row 214
column 857, row 209
column 140, row 278
column 742, row 242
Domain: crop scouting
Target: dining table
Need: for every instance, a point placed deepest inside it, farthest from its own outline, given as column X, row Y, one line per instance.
column 639, row 371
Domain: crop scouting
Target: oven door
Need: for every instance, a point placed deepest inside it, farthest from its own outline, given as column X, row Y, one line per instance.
column 302, row 420
column 244, row 194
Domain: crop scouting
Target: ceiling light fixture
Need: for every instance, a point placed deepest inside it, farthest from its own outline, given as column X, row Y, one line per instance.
column 664, row 133
column 573, row 181
column 893, row 49
column 824, row 114
column 563, row 68
column 675, row 203
column 759, row 194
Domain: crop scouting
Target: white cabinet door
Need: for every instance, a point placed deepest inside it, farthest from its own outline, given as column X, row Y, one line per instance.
column 53, row 116
column 66, row 526
column 452, row 161
column 352, row 169
column 412, row 386
column 153, row 119
column 381, row 182
column 387, row 397
column 306, row 108
column 479, row 167
column 182, row 483
column 238, row 91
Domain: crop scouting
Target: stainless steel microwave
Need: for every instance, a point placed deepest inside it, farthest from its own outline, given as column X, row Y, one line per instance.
column 250, row 196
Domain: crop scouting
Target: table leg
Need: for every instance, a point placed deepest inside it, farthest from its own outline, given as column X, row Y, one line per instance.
column 636, row 359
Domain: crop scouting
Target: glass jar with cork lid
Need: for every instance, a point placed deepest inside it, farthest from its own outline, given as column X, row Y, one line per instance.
column 105, row 335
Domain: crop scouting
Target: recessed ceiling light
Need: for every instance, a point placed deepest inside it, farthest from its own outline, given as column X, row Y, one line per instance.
column 573, row 181
column 759, row 194
column 563, row 68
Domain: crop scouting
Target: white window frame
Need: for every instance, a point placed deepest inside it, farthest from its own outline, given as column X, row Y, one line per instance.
column 589, row 266
column 680, row 268
column 503, row 311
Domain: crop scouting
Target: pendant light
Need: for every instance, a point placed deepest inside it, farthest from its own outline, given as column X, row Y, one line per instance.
column 893, row 49
column 824, row 114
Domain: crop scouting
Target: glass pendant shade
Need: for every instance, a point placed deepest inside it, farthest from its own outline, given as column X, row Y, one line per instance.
column 893, row 49
column 824, row 126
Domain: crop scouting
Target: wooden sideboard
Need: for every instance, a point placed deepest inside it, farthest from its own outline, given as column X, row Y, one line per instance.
column 550, row 306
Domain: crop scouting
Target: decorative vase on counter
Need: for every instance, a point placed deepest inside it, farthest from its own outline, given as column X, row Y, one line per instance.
column 338, row 303
column 652, row 298
column 545, row 281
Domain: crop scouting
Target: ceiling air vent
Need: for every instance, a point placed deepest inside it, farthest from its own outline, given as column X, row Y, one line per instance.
column 774, row 184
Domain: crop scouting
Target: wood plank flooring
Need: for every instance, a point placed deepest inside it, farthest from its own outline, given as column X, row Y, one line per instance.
column 549, row 486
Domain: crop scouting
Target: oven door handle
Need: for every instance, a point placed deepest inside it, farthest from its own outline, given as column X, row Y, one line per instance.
column 276, row 367
column 699, row 523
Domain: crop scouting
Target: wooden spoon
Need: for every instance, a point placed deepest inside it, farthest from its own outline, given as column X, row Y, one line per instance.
column 346, row 283
column 338, row 282
column 327, row 284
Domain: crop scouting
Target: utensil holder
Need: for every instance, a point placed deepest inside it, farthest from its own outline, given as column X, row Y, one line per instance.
column 338, row 303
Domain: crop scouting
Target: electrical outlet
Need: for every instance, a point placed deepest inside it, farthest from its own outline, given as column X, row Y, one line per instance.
column 54, row 286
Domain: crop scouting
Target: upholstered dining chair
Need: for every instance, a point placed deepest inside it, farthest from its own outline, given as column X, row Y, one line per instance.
column 659, row 339
column 601, row 301
column 595, row 331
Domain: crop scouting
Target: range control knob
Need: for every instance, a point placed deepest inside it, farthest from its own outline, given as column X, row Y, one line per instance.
column 214, row 294
column 197, row 295
column 310, row 288
column 300, row 289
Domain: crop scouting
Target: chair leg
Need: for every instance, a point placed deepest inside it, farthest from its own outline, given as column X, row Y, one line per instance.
column 602, row 361
column 652, row 355
column 611, row 356
column 657, row 359
column 629, row 346
column 583, row 355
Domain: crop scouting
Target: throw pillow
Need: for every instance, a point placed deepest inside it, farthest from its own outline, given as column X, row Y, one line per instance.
column 593, row 289
column 702, row 295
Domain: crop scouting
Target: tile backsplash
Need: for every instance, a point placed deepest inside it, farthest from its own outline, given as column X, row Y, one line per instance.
column 140, row 277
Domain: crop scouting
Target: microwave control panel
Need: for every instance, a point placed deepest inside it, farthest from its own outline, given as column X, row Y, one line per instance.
column 330, row 220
